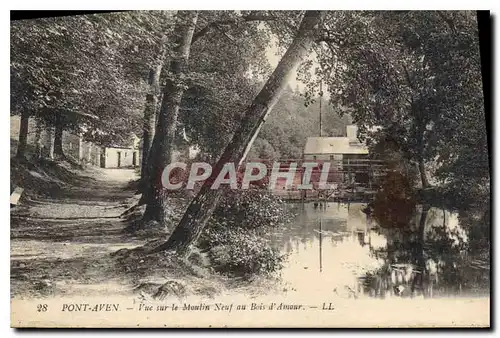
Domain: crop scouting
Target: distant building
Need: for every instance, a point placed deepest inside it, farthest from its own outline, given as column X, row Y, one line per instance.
column 113, row 156
column 73, row 145
column 124, row 155
column 338, row 151
column 335, row 148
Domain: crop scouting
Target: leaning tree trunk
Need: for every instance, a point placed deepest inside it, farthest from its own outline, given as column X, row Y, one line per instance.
column 202, row 206
column 23, row 134
column 58, row 136
column 160, row 154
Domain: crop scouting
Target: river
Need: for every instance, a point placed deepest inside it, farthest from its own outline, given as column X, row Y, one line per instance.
column 338, row 249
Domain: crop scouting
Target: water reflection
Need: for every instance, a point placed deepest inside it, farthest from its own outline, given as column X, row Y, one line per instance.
column 339, row 249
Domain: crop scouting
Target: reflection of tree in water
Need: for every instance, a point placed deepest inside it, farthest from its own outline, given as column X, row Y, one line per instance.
column 429, row 258
column 303, row 230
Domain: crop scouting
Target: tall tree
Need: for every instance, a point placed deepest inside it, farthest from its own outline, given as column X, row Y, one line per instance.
column 202, row 206
column 224, row 66
column 23, row 134
column 161, row 149
column 406, row 73
column 72, row 73
column 216, row 87
column 150, row 116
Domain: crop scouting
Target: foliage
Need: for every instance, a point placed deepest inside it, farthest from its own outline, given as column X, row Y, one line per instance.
column 250, row 209
column 235, row 235
column 224, row 66
column 416, row 76
column 227, row 65
column 80, row 67
column 285, row 132
column 241, row 252
column 477, row 223
column 394, row 204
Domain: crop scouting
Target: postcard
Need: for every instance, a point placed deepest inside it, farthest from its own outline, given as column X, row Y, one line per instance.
column 262, row 169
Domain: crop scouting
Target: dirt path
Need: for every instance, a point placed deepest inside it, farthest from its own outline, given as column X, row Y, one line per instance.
column 59, row 244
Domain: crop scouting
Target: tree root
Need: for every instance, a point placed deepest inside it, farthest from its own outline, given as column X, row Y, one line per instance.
column 168, row 289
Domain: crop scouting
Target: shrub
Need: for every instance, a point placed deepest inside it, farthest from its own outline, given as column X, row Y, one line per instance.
column 251, row 209
column 240, row 252
column 235, row 237
column 394, row 205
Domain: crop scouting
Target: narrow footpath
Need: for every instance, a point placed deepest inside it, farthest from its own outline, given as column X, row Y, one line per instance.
column 58, row 243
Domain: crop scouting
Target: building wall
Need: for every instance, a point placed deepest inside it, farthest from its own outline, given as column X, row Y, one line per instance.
column 334, row 157
column 184, row 153
column 15, row 125
column 91, row 153
column 356, row 156
column 72, row 144
column 338, row 172
column 113, row 159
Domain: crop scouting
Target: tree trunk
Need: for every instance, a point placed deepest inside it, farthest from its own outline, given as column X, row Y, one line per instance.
column 202, row 206
column 160, row 154
column 419, row 251
column 23, row 134
column 51, row 141
column 38, row 139
column 423, row 175
column 80, row 148
column 152, row 98
column 58, row 136
column 149, row 123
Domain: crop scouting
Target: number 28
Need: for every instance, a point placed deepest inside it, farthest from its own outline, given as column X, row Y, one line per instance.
column 41, row 307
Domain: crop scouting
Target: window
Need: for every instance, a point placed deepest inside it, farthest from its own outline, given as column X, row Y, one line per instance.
column 125, row 154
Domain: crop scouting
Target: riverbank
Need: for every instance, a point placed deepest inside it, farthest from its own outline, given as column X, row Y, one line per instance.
column 64, row 240
column 71, row 242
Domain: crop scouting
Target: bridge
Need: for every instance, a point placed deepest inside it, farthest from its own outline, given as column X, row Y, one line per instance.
column 352, row 179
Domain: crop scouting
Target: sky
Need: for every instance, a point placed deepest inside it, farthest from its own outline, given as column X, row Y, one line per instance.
column 274, row 59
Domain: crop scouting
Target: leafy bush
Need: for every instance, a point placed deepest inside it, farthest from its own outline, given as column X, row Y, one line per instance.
column 235, row 237
column 394, row 205
column 241, row 252
column 251, row 209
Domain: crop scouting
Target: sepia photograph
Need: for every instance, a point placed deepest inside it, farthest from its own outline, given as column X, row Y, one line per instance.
column 250, row 168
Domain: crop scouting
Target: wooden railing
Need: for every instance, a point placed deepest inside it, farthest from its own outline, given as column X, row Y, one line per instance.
column 342, row 173
column 345, row 165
